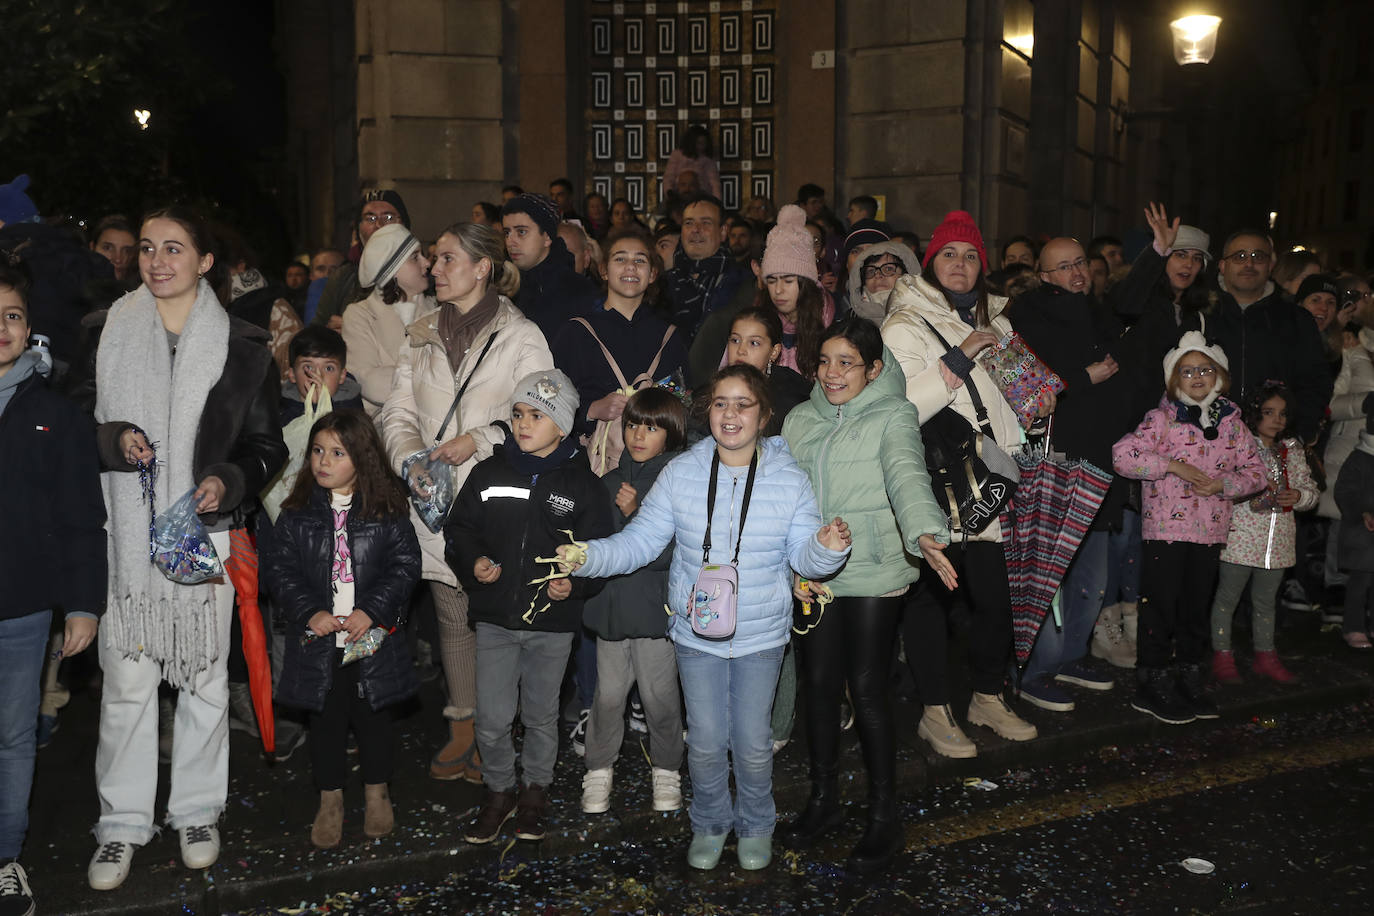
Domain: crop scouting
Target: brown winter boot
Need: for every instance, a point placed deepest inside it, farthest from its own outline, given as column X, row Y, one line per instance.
column 1109, row 640
column 327, row 830
column 378, row 817
column 459, row 758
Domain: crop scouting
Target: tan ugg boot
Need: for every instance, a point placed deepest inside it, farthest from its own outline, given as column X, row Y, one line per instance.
column 328, row 828
column 1109, row 641
column 458, row 759
column 378, row 816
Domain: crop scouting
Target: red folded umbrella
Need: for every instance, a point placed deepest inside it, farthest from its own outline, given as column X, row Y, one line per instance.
column 243, row 574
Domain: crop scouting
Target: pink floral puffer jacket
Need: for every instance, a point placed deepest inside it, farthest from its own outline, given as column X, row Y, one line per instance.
column 1262, row 534
column 1171, row 510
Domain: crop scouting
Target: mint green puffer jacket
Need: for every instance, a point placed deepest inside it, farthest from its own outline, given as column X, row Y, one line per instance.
column 867, row 466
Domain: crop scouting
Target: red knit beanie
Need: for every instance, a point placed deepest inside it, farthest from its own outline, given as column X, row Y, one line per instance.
column 957, row 227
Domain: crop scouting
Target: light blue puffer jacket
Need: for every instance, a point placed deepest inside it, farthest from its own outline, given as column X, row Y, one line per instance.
column 779, row 536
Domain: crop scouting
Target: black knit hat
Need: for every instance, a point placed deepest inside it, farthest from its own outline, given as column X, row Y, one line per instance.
column 385, row 195
column 866, row 232
column 537, row 207
column 1318, row 283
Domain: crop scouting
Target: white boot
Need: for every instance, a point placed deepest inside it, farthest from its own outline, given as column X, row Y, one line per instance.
column 1108, row 641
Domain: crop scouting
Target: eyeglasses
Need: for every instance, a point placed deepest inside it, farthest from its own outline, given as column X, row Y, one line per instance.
column 1356, row 295
column 1197, row 371
column 1240, row 257
column 1069, row 267
column 386, row 219
column 816, row 243
column 884, row 270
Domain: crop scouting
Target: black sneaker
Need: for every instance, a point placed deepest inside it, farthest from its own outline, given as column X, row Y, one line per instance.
column 1156, row 695
column 579, row 733
column 1192, row 688
column 638, row 722
column 16, row 899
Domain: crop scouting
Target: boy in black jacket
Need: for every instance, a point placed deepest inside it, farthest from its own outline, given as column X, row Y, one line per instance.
column 514, row 507
column 52, row 558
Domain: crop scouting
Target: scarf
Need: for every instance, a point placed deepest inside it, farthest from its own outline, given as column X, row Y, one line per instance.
column 174, row 625
column 245, row 282
column 965, row 304
column 692, row 283
column 458, row 331
column 1205, row 414
column 532, row 465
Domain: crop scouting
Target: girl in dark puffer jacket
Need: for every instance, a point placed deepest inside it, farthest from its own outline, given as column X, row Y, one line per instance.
column 342, row 565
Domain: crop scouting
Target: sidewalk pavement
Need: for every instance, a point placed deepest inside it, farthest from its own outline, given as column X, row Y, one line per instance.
column 267, row 857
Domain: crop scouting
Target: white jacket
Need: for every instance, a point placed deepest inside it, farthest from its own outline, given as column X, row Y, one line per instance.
column 918, row 351
column 423, row 390
column 374, row 333
column 1353, row 384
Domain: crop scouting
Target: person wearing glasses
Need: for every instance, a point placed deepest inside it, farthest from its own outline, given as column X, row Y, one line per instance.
column 1265, row 335
column 873, row 282
column 379, row 207
column 1082, row 343
column 937, row 322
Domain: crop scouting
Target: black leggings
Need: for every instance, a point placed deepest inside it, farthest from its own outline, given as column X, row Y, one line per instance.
column 852, row 642
column 982, row 569
column 345, row 705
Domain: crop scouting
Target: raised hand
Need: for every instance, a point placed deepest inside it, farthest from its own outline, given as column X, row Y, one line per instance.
column 1165, row 231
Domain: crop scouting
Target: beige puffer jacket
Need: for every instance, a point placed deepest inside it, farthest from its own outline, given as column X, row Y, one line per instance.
column 423, row 390
column 918, row 352
column 374, row 333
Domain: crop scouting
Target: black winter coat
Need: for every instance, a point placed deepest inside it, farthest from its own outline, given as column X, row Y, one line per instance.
column 386, row 566
column 511, row 516
column 553, row 291
column 1274, row 339
column 631, row 606
column 1156, row 325
column 239, row 440
column 52, row 541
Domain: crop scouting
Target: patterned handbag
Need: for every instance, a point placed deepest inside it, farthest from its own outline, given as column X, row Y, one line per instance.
column 1022, row 377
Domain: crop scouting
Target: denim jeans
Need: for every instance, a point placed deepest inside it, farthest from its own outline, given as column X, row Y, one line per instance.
column 527, row 665
column 22, row 641
column 1084, row 586
column 729, row 711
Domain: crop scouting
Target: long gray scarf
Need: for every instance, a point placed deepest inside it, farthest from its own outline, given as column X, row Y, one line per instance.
column 174, row 625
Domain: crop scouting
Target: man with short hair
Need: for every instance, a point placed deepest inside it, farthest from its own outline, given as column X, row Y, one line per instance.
column 704, row 275
column 1264, row 335
column 324, row 262
column 1110, row 249
column 1081, row 342
column 551, row 289
column 561, row 193
column 862, row 207
column 1098, row 271
column 379, row 207
column 740, row 238
column 811, row 198
column 509, row 191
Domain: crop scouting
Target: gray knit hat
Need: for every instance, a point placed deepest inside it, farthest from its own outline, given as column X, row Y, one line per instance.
column 1191, row 237
column 552, row 392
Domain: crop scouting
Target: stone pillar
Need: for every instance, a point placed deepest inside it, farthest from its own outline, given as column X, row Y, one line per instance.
column 430, row 105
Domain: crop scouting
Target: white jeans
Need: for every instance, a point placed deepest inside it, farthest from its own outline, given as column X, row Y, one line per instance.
column 126, row 757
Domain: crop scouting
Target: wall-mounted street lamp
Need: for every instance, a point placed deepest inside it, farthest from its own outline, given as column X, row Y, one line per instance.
column 1195, row 38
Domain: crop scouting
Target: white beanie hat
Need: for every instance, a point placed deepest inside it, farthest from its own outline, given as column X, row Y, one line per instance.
column 552, row 392
column 384, row 254
column 1201, row 410
column 1193, row 238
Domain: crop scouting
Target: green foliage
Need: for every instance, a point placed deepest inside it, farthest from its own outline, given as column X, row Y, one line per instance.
column 71, row 74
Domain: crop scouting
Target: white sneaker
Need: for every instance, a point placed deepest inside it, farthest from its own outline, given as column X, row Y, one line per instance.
column 779, row 744
column 667, row 789
column 596, row 791
column 199, row 846
column 110, row 866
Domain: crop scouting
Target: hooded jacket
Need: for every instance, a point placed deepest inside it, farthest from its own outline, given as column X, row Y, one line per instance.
column 374, row 334
column 631, row 606
column 552, row 291
column 424, row 388
column 914, row 301
column 1353, row 386
column 52, row 544
column 779, row 537
column 875, row 310
column 1170, row 509
column 1274, row 339
column 1355, row 496
column 513, row 508
column 386, row 566
column 866, row 464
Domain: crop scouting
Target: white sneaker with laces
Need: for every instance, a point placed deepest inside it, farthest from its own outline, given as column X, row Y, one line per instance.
column 596, row 791
column 110, row 865
column 199, row 846
column 667, row 789
column 15, row 895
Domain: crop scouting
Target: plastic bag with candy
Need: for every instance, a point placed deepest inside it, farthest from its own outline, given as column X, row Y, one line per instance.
column 433, row 487
column 364, row 645
column 181, row 548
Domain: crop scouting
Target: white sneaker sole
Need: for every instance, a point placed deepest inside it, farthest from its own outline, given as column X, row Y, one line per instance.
column 945, row 750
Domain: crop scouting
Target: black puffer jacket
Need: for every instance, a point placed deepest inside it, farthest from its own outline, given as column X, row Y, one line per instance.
column 386, row 566
column 514, row 508
column 239, row 440
column 632, row 606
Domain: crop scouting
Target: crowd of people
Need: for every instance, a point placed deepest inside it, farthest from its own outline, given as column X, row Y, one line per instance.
column 655, row 469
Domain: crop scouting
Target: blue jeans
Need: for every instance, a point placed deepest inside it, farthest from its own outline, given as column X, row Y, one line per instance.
column 22, row 643
column 729, row 711
column 1123, row 561
column 1081, row 602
